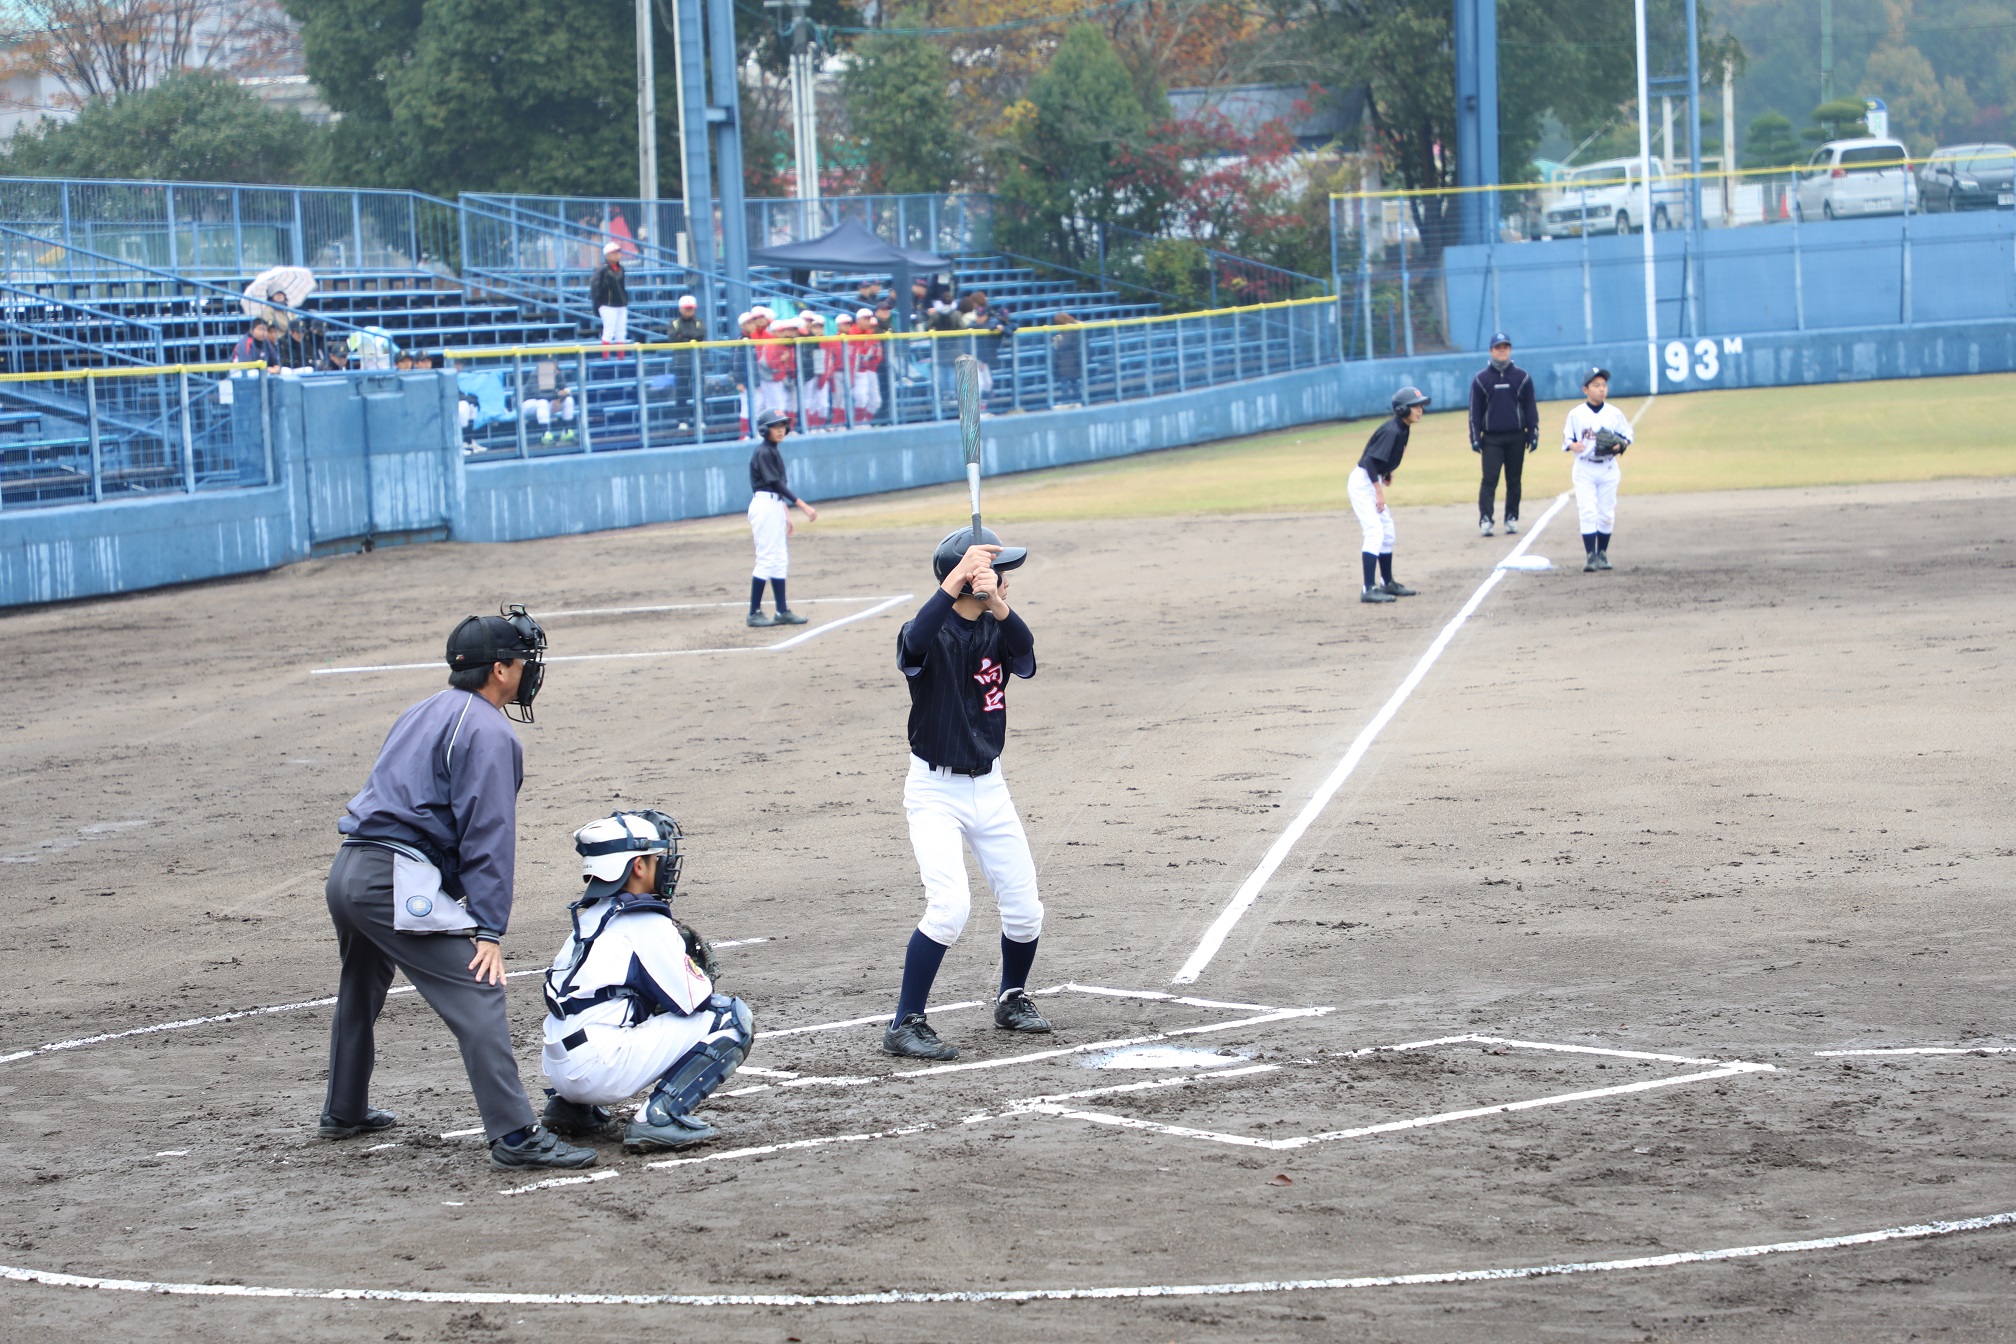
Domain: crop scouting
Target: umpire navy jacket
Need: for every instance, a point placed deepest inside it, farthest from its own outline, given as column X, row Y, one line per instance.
column 1502, row 402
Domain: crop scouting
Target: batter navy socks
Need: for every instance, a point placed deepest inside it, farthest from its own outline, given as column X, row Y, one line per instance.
column 1371, row 567
column 777, row 591
column 1016, row 959
column 1386, row 567
column 920, row 968
column 1602, row 543
column 1589, row 543
column 755, row 596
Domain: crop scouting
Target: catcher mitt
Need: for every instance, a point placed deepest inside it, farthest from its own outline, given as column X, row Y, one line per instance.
column 701, row 951
column 1609, row 443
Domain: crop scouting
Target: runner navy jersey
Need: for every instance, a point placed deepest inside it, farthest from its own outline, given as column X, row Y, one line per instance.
column 958, row 673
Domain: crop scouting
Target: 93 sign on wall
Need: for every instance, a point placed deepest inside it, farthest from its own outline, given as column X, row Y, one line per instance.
column 1702, row 361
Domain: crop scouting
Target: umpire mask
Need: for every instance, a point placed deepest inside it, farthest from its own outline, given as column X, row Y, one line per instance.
column 482, row 640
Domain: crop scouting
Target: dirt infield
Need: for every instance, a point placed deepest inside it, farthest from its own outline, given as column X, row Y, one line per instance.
column 1660, row 835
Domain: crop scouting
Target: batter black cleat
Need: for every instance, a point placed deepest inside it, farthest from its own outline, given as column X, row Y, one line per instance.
column 1603, row 560
column 373, row 1121
column 1014, row 1012
column 648, row 1135
column 786, row 616
column 1397, row 588
column 913, row 1039
column 1589, row 566
column 758, row 620
column 574, row 1120
column 1511, row 527
column 1376, row 595
column 541, row 1148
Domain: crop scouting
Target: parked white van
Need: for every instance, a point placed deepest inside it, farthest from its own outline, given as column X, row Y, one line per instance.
column 1606, row 196
column 1857, row 177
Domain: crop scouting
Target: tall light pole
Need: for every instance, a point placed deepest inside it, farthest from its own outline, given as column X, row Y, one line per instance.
column 803, row 44
column 1645, row 202
column 647, row 126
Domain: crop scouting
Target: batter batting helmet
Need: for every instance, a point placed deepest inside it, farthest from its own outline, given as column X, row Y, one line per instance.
column 1407, row 398
column 958, row 542
column 769, row 418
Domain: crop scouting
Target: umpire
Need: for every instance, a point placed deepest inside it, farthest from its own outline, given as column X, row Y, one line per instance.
column 1504, row 427
column 425, row 874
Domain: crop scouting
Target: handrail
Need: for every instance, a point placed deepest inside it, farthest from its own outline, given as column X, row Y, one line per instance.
column 144, row 371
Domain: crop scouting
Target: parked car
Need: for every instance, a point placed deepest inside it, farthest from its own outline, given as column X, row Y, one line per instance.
column 1609, row 198
column 1857, row 177
column 1969, row 177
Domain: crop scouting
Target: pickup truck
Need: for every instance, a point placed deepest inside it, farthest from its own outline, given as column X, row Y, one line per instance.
column 1607, row 198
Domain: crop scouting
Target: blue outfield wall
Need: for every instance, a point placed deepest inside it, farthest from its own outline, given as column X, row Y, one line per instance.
column 383, row 456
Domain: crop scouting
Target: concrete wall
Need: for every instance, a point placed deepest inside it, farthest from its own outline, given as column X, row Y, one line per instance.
column 419, row 485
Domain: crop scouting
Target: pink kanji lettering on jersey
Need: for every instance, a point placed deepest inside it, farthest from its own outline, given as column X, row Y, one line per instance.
column 989, row 676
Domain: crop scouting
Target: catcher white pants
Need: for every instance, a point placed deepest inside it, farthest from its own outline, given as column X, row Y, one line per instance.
column 867, row 397
column 1375, row 524
column 770, row 524
column 948, row 813
column 615, row 325
column 1596, row 493
column 617, row 1063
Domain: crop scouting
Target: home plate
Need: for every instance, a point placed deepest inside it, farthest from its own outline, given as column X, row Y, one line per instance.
column 1529, row 562
column 1162, row 1057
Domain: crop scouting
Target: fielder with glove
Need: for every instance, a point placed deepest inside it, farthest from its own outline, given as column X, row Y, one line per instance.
column 630, row 1000
column 1597, row 433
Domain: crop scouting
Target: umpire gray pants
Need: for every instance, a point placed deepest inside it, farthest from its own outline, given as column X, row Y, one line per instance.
column 360, row 904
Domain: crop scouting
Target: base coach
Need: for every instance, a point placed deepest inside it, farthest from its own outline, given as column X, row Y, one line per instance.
column 1504, row 427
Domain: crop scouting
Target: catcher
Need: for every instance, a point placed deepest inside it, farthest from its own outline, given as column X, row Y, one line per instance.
column 1597, row 433
column 630, row 1000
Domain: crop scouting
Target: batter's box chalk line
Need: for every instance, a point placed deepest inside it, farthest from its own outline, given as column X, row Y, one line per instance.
column 882, row 604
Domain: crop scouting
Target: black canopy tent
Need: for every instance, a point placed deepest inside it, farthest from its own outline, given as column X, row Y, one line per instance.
column 852, row 247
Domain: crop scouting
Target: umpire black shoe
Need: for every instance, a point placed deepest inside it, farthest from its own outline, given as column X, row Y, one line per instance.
column 914, row 1039
column 787, row 617
column 373, row 1121
column 574, row 1120
column 1013, row 1011
column 1397, row 588
column 757, row 619
column 1376, row 595
column 541, row 1147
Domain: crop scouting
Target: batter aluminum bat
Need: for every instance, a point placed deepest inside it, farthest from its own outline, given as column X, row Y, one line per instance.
column 966, row 380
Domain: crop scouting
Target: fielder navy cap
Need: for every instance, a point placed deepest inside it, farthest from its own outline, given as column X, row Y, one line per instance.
column 1499, row 338
column 1594, row 374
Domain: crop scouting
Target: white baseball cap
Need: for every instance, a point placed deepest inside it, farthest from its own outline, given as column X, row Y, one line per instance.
column 611, row 247
column 688, row 301
column 865, row 315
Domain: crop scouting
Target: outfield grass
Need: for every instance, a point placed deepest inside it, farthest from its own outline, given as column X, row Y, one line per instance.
column 1842, row 434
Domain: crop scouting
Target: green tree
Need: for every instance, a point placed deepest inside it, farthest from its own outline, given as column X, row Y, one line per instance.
column 896, row 91
column 191, row 127
column 448, row 95
column 1074, row 140
column 1838, row 120
column 1772, row 143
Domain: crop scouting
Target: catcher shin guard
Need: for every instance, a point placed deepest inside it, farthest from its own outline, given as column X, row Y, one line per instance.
column 701, row 1071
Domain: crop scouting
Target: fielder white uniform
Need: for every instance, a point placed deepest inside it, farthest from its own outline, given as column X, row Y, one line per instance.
column 653, row 1005
column 1595, row 478
column 770, row 525
column 949, row 812
column 1375, row 523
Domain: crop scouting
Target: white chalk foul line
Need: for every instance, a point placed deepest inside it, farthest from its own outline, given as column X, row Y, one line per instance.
column 895, row 1297
column 605, row 1174
column 1923, row 1050
column 813, row 633
column 792, row 1146
column 689, row 606
column 1249, row 890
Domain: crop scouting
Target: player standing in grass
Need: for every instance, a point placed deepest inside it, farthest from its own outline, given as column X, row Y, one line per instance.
column 1597, row 433
column 1367, row 488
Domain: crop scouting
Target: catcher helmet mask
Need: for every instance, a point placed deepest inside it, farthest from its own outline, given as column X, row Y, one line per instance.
column 480, row 640
column 608, row 844
column 1407, row 398
column 957, row 542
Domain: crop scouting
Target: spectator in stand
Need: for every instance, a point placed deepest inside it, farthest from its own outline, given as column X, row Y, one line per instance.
column 776, row 366
column 257, row 346
column 1067, row 361
column 864, row 368
column 869, row 294
column 611, row 297
column 826, row 387
column 746, row 360
column 687, row 327
column 425, row 361
column 404, row 361
column 299, row 350
column 336, row 357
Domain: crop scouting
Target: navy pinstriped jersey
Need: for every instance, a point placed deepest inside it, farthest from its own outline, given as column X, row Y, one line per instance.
column 958, row 673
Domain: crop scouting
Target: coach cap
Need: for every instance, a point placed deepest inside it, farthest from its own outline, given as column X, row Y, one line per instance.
column 1499, row 338
column 1594, row 374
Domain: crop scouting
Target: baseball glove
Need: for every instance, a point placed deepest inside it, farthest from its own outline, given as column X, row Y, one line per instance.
column 701, row 951
column 1610, row 443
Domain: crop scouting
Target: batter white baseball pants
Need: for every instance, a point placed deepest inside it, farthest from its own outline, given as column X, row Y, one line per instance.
column 867, row 397
column 770, row 524
column 1376, row 525
column 1596, row 493
column 617, row 1063
column 949, row 812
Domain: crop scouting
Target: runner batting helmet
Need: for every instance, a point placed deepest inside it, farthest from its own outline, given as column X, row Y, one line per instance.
column 1407, row 398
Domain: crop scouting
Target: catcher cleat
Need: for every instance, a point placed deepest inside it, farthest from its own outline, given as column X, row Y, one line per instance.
column 1589, row 566
column 785, row 616
column 914, row 1039
column 1376, row 595
column 1603, row 560
column 1511, row 527
column 573, row 1120
column 1397, row 588
column 657, row 1127
column 1014, row 1012
column 757, row 620
column 1484, row 527
column 541, row 1147
column 374, row 1120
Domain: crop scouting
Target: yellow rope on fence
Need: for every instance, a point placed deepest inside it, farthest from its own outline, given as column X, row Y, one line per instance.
column 142, row 371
